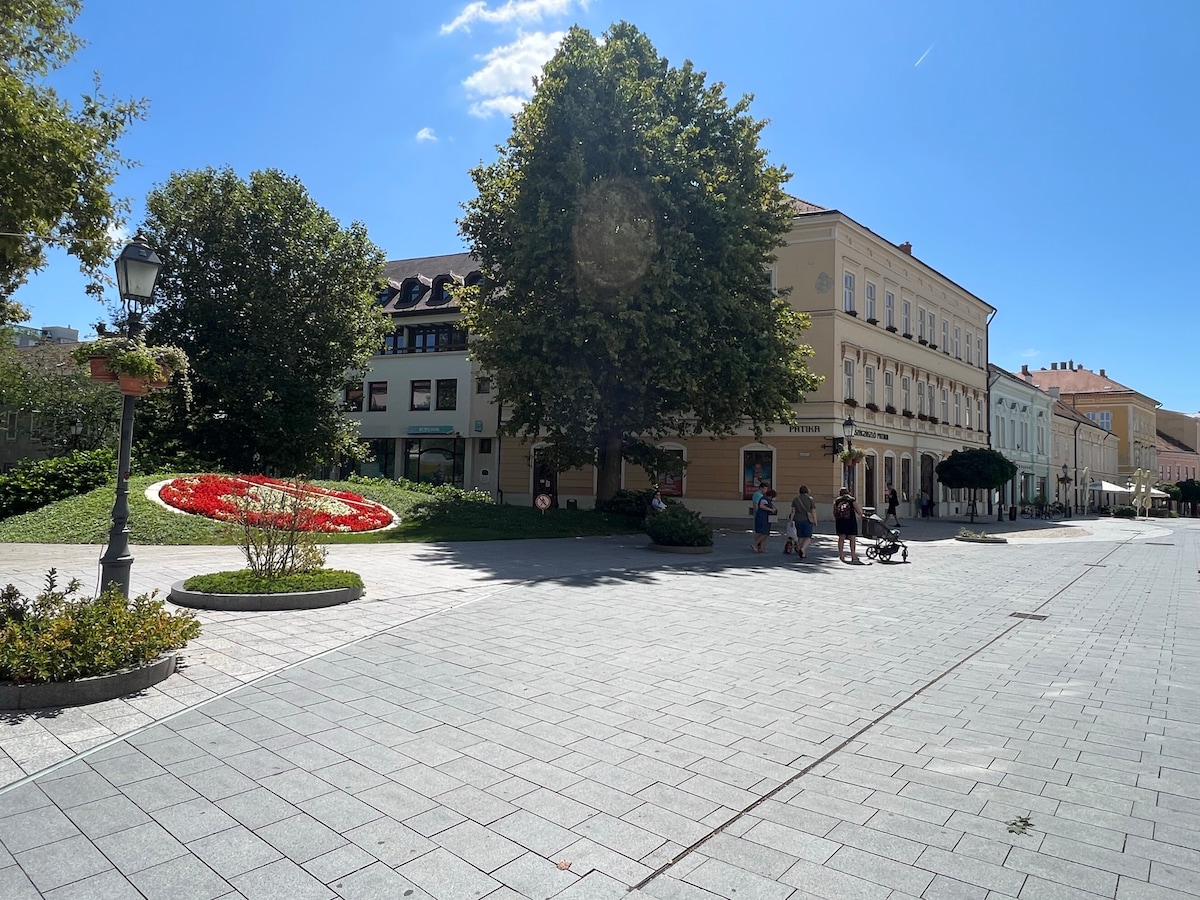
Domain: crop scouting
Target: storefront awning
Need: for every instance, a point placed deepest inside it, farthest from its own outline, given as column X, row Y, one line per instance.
column 1108, row 487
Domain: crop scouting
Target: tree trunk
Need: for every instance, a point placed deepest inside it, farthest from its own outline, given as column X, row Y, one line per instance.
column 608, row 466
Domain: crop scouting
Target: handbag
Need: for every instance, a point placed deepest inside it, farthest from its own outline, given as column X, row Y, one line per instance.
column 812, row 516
column 791, row 530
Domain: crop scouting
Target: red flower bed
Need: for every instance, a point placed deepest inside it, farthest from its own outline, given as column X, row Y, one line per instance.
column 268, row 501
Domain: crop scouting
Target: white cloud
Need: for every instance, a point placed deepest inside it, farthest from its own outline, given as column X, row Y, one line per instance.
column 512, row 12
column 1030, row 354
column 426, row 134
column 506, row 80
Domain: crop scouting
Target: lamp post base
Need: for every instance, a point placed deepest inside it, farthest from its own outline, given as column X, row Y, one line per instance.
column 114, row 567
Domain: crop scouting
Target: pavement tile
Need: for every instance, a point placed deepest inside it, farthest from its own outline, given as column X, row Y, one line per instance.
column 282, row 878
column 234, row 851
column 535, row 877
column 193, row 819
column 15, row 885
column 35, row 828
column 62, row 862
column 140, row 847
column 185, row 876
column 446, row 877
column 477, row 845
column 389, row 841
column 110, row 885
column 301, row 837
column 257, row 808
column 725, row 880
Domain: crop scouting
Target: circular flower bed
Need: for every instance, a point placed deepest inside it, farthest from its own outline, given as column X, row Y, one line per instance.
column 266, row 501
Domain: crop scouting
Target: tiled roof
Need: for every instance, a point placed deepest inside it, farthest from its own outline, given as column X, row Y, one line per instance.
column 1168, row 444
column 800, row 207
column 1078, row 381
column 1067, row 411
column 425, row 270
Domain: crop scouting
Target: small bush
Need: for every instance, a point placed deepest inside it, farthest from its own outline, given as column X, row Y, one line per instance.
column 633, row 504
column 32, row 484
column 276, row 535
column 1124, row 512
column 244, row 581
column 58, row 637
column 444, row 491
column 678, row 526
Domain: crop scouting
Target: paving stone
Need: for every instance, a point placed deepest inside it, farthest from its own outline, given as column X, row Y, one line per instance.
column 140, row 847
column 185, row 876
column 389, row 841
column 301, row 838
column 110, row 885
column 234, row 851
column 282, row 878
column 14, row 885
column 444, row 876
column 534, row 877
column 725, row 880
column 35, row 828
column 193, row 819
column 257, row 808
column 479, row 846
column 328, row 867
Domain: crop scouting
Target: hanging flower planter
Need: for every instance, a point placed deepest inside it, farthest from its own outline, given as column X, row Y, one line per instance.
column 851, row 457
column 100, row 370
column 135, row 367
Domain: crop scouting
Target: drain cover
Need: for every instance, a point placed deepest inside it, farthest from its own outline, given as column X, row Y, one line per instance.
column 1027, row 616
column 1158, row 544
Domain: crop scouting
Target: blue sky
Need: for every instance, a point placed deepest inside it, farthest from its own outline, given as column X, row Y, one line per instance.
column 1040, row 154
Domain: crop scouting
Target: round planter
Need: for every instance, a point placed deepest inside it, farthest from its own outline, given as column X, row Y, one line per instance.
column 982, row 540
column 100, row 372
column 664, row 548
column 86, row 690
column 262, row 602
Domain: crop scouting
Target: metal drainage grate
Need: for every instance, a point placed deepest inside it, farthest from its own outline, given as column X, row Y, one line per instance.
column 1034, row 616
column 1158, row 544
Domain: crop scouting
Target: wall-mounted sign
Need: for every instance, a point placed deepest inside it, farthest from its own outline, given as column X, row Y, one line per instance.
column 431, row 429
column 804, row 429
column 873, row 435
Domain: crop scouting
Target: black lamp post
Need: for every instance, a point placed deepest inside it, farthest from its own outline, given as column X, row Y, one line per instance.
column 76, row 431
column 137, row 271
column 848, row 431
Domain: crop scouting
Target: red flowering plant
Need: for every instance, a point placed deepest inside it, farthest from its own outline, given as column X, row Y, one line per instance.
column 257, row 501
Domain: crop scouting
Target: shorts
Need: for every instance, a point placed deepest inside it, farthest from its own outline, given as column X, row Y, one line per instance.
column 804, row 528
column 846, row 527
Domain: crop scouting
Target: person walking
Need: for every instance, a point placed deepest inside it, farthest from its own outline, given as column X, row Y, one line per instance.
column 924, row 504
column 846, row 513
column 762, row 520
column 804, row 517
column 893, row 504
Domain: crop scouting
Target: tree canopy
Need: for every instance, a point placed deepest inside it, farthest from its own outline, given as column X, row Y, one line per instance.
column 625, row 232
column 274, row 302
column 980, row 468
column 57, row 163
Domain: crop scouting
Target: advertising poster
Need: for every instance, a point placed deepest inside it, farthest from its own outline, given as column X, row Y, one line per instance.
column 756, row 466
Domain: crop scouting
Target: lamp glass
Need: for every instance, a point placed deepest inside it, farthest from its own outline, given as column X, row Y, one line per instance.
column 137, row 271
column 848, row 427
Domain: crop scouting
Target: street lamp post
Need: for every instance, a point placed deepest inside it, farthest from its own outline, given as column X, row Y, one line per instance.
column 137, row 272
column 76, row 431
column 848, row 432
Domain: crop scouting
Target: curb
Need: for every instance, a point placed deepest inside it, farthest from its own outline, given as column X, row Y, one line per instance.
column 664, row 548
column 80, row 691
column 262, row 602
column 986, row 540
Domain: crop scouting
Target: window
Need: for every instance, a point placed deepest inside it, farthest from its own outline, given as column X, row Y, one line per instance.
column 970, row 359
column 929, row 398
column 889, row 309
column 945, row 405
column 11, row 427
column 435, row 460
column 758, row 466
column 906, row 393
column 957, row 342
column 957, row 408
column 394, row 342
column 1041, row 439
column 435, row 338
column 1000, row 432
column 485, row 446
column 1106, row 420
column 447, row 393
column 418, row 396
column 907, row 311
column 945, row 335
column 848, row 379
column 920, row 399
column 979, row 412
column 869, row 382
column 354, row 397
column 670, row 477
column 968, row 413
column 870, row 294
column 920, row 324
column 377, row 396
column 483, row 385
column 889, row 389
column 848, row 292
column 979, row 352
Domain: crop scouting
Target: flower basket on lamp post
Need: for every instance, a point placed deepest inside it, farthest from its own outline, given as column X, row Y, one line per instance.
column 851, row 458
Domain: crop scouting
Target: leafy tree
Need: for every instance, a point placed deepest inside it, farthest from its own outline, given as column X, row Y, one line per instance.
column 977, row 469
column 1189, row 493
column 624, row 232
column 57, row 164
column 274, row 302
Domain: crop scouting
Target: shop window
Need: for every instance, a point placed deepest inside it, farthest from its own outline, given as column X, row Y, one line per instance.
column 670, row 478
column 447, row 394
column 434, row 460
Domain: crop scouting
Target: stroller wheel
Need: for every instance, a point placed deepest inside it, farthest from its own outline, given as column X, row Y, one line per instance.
column 872, row 552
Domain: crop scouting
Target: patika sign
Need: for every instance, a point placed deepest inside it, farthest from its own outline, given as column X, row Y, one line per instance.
column 858, row 432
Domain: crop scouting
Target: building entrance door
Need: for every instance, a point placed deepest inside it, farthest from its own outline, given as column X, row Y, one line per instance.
column 927, row 480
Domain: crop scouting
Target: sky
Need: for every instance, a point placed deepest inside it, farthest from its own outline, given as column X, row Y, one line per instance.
column 1041, row 155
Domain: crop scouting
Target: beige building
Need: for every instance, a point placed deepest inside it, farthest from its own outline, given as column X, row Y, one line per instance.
column 902, row 350
column 1088, row 451
column 1178, row 446
column 1128, row 414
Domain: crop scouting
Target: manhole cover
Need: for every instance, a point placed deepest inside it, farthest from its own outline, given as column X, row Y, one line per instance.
column 1034, row 616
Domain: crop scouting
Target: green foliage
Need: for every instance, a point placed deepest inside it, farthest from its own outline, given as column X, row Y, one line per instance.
column 632, row 504
column 58, row 163
column 978, row 469
column 624, row 231
column 32, row 484
column 283, row 542
column 678, row 526
column 244, row 581
column 1189, row 491
column 58, row 637
column 444, row 491
column 273, row 302
column 1123, row 511
column 126, row 356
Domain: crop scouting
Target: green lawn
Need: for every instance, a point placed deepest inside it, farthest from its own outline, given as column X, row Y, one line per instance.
column 87, row 518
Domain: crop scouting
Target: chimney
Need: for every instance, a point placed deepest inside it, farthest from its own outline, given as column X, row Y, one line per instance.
column 1053, row 367
column 1063, row 366
column 1102, row 375
column 906, row 247
column 1055, row 393
column 1071, row 365
column 1025, row 369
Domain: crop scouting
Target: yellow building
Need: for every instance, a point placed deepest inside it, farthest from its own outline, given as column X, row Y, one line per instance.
column 902, row 350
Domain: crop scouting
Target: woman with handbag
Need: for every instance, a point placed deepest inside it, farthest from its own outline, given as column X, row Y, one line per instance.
column 804, row 515
column 762, row 521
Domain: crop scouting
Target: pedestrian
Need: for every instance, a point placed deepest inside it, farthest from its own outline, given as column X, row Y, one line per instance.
column 923, row 502
column 893, row 504
column 804, row 516
column 657, row 504
column 762, row 520
column 845, row 522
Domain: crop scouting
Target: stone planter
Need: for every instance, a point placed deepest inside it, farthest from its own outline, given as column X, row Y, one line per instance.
column 262, row 602
column 85, row 690
column 689, row 551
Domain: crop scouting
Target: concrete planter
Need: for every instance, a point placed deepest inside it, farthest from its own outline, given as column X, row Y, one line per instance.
column 982, row 540
column 262, row 602
column 86, row 690
column 664, row 548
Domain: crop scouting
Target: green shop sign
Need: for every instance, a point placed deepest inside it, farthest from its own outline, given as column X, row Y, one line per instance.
column 431, row 429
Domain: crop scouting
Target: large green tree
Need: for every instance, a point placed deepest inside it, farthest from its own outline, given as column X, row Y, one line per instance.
column 57, row 163
column 625, row 231
column 978, row 469
column 274, row 302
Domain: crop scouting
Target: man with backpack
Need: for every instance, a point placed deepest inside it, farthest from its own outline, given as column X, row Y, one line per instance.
column 845, row 524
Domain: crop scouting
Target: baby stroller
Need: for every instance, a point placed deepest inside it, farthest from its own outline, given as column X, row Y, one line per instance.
column 887, row 540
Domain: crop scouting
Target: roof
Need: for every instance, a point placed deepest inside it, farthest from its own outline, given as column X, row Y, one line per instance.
column 1067, row 411
column 800, row 207
column 1168, row 444
column 424, row 271
column 1080, row 381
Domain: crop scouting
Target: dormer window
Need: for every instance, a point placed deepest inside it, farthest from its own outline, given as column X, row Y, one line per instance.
column 410, row 292
column 441, row 291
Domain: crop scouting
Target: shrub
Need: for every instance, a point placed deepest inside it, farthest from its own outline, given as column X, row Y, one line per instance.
column 633, row 504
column 276, row 535
column 58, row 637
column 678, row 526
column 443, row 491
column 1124, row 512
column 33, row 484
column 244, row 581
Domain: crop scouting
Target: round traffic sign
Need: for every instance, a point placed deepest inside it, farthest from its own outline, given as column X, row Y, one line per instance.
column 542, row 502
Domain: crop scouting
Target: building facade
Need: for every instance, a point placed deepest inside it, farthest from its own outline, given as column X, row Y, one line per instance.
column 424, row 410
column 1023, row 431
column 1128, row 414
column 1178, row 446
column 1087, row 450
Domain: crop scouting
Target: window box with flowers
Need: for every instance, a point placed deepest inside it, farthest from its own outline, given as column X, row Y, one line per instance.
column 892, row 328
column 851, row 402
column 873, row 407
column 923, row 417
column 890, row 410
column 907, row 336
column 934, row 420
column 907, row 413
column 851, row 457
column 872, row 321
